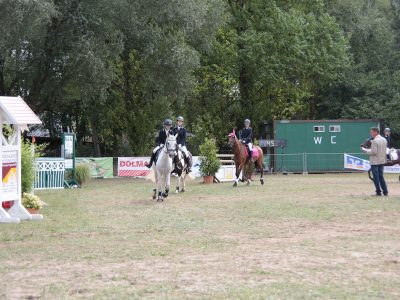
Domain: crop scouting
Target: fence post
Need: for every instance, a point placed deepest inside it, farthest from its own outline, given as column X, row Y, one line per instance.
column 305, row 164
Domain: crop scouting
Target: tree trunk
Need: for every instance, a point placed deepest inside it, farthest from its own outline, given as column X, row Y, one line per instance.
column 313, row 108
column 244, row 86
column 2, row 84
column 96, row 142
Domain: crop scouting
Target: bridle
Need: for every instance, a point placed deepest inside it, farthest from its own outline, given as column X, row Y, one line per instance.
column 169, row 150
column 232, row 139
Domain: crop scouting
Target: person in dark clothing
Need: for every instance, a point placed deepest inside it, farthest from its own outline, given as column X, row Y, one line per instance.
column 388, row 138
column 160, row 141
column 246, row 137
column 181, row 141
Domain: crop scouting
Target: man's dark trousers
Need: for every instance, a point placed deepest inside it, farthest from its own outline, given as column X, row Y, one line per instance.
column 379, row 181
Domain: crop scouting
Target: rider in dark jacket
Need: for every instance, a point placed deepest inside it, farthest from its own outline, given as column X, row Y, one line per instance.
column 181, row 141
column 388, row 137
column 161, row 139
column 389, row 142
column 246, row 136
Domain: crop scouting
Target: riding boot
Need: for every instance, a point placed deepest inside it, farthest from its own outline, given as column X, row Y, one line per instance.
column 250, row 155
column 188, row 160
column 152, row 158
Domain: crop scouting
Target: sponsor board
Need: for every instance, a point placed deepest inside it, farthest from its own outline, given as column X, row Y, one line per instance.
column 9, row 171
column 100, row 167
column 356, row 163
column 133, row 167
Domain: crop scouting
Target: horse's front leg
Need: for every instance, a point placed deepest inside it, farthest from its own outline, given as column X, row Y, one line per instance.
column 160, row 187
column 183, row 182
column 178, row 184
column 167, row 184
column 238, row 171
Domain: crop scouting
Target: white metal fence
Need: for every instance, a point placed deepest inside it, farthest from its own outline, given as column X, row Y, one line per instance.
column 292, row 163
column 49, row 173
column 227, row 170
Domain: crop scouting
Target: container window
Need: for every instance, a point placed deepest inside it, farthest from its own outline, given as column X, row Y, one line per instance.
column 334, row 128
column 319, row 128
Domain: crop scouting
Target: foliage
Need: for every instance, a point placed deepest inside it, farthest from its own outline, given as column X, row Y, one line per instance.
column 113, row 70
column 82, row 172
column 209, row 162
column 31, row 201
column 370, row 88
column 28, row 163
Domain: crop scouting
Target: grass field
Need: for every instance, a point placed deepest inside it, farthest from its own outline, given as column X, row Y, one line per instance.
column 314, row 236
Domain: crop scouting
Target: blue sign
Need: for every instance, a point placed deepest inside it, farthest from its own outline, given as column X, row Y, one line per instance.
column 355, row 163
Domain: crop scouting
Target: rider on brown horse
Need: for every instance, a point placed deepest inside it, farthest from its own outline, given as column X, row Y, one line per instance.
column 246, row 137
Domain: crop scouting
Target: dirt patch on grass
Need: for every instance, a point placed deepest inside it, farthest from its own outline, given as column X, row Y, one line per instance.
column 307, row 236
column 308, row 253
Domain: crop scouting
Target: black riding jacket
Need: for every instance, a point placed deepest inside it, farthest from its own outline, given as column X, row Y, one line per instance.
column 181, row 139
column 389, row 141
column 162, row 136
column 246, row 135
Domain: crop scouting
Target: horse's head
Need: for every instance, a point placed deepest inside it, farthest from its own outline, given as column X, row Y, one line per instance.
column 232, row 138
column 170, row 145
column 366, row 144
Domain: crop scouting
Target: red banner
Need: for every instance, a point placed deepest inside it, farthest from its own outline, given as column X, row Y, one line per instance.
column 133, row 166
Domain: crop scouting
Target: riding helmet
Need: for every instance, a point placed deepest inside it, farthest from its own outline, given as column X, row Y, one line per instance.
column 247, row 121
column 179, row 118
column 387, row 129
column 167, row 122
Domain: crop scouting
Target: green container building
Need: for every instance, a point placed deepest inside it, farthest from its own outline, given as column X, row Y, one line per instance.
column 319, row 145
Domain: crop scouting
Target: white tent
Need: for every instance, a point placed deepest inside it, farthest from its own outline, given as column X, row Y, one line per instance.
column 15, row 112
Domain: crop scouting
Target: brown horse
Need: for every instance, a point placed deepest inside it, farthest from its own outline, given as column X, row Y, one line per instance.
column 241, row 159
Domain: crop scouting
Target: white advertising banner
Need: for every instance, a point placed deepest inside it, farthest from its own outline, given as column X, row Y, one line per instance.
column 10, row 176
column 133, row 167
column 355, row 163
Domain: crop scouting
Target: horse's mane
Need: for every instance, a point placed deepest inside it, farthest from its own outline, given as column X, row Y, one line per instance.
column 171, row 137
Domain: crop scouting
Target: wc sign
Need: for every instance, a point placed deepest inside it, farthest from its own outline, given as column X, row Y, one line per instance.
column 318, row 140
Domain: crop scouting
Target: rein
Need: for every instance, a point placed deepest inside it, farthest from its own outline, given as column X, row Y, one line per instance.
column 166, row 148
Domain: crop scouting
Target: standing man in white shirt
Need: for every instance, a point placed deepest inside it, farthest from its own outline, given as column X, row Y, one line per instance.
column 377, row 159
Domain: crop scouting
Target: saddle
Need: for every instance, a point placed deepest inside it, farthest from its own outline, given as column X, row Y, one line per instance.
column 254, row 152
column 157, row 155
column 181, row 164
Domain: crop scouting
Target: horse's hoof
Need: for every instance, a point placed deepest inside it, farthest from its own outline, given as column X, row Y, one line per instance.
column 176, row 191
column 248, row 182
column 154, row 197
column 183, row 190
column 165, row 195
column 235, row 184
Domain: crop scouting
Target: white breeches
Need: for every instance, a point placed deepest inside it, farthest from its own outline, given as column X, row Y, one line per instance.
column 250, row 145
column 183, row 149
column 158, row 147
